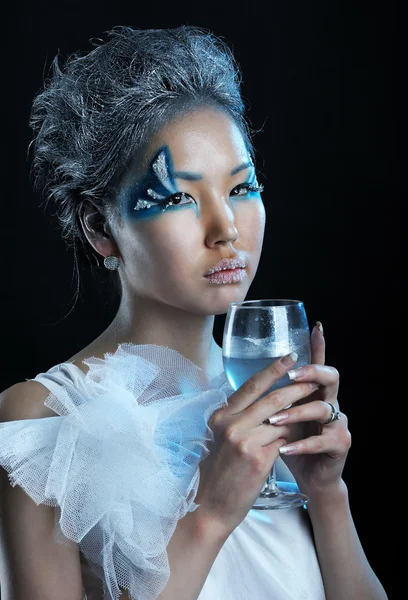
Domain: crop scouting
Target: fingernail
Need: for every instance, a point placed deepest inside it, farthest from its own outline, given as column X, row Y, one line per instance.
column 278, row 418
column 319, row 326
column 287, row 449
column 289, row 359
column 295, row 373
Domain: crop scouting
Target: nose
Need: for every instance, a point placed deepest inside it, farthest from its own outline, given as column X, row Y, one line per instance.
column 219, row 222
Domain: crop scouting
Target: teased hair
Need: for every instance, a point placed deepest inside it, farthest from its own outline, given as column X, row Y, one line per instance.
column 98, row 110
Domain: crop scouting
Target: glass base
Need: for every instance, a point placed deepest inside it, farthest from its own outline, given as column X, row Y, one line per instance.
column 281, row 499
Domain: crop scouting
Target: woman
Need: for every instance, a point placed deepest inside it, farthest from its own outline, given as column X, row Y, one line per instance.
column 133, row 465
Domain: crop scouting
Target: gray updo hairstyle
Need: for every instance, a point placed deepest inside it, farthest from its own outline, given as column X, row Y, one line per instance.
column 97, row 111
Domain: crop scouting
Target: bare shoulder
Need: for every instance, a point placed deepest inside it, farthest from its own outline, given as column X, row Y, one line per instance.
column 24, row 400
column 32, row 564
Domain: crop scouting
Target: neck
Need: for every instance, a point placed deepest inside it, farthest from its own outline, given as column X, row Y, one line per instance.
column 145, row 321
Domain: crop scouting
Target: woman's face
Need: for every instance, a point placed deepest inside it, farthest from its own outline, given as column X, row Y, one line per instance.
column 201, row 162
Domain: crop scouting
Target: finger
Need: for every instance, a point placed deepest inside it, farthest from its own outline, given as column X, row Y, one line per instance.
column 335, row 446
column 259, row 383
column 318, row 411
column 321, row 374
column 263, row 435
column 274, row 403
column 318, row 344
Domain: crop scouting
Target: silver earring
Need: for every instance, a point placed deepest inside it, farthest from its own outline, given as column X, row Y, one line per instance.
column 111, row 262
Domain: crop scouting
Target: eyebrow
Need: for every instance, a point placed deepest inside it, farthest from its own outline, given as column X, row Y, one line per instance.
column 241, row 167
column 188, row 176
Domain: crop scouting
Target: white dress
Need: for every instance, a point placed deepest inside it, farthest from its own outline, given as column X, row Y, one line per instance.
column 120, row 462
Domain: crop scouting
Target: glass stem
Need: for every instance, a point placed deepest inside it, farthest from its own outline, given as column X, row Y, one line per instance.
column 270, row 485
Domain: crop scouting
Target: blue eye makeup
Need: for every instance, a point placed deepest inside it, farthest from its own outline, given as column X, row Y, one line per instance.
column 249, row 188
column 157, row 191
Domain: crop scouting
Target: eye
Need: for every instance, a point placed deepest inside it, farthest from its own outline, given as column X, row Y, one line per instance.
column 244, row 188
column 177, row 199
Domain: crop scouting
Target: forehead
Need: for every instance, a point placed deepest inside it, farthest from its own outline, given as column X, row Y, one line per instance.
column 206, row 141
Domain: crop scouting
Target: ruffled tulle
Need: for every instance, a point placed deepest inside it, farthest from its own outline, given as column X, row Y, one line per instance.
column 121, row 461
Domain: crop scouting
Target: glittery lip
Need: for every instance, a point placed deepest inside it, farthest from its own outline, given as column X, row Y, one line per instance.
column 229, row 276
column 227, row 263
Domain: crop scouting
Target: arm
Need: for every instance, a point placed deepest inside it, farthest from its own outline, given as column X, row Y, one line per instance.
column 32, row 564
column 192, row 550
column 346, row 572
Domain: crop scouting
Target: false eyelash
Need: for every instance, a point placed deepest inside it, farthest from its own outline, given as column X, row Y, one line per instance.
column 251, row 187
column 255, row 188
column 168, row 201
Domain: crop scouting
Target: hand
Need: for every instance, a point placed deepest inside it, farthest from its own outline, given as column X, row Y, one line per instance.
column 244, row 447
column 316, row 452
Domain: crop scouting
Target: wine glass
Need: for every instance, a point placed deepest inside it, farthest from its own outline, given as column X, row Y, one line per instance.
column 256, row 334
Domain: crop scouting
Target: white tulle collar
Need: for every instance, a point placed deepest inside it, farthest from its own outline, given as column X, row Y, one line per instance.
column 120, row 458
column 129, row 349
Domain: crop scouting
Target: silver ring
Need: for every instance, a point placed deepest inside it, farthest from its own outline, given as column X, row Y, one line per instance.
column 335, row 414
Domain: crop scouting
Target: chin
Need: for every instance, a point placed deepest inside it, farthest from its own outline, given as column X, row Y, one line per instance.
column 219, row 303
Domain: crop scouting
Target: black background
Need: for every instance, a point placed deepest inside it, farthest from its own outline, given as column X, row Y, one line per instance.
column 319, row 80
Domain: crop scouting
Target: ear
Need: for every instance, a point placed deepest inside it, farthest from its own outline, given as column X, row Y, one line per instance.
column 97, row 230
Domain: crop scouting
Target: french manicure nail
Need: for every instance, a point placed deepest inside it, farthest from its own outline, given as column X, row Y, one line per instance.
column 289, row 359
column 287, row 449
column 319, row 326
column 278, row 418
column 296, row 373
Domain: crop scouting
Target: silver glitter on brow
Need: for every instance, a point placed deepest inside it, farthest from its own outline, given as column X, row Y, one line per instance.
column 161, row 171
column 160, row 168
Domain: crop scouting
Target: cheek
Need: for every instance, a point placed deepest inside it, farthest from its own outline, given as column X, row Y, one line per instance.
column 180, row 245
column 170, row 245
column 140, row 244
column 250, row 223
